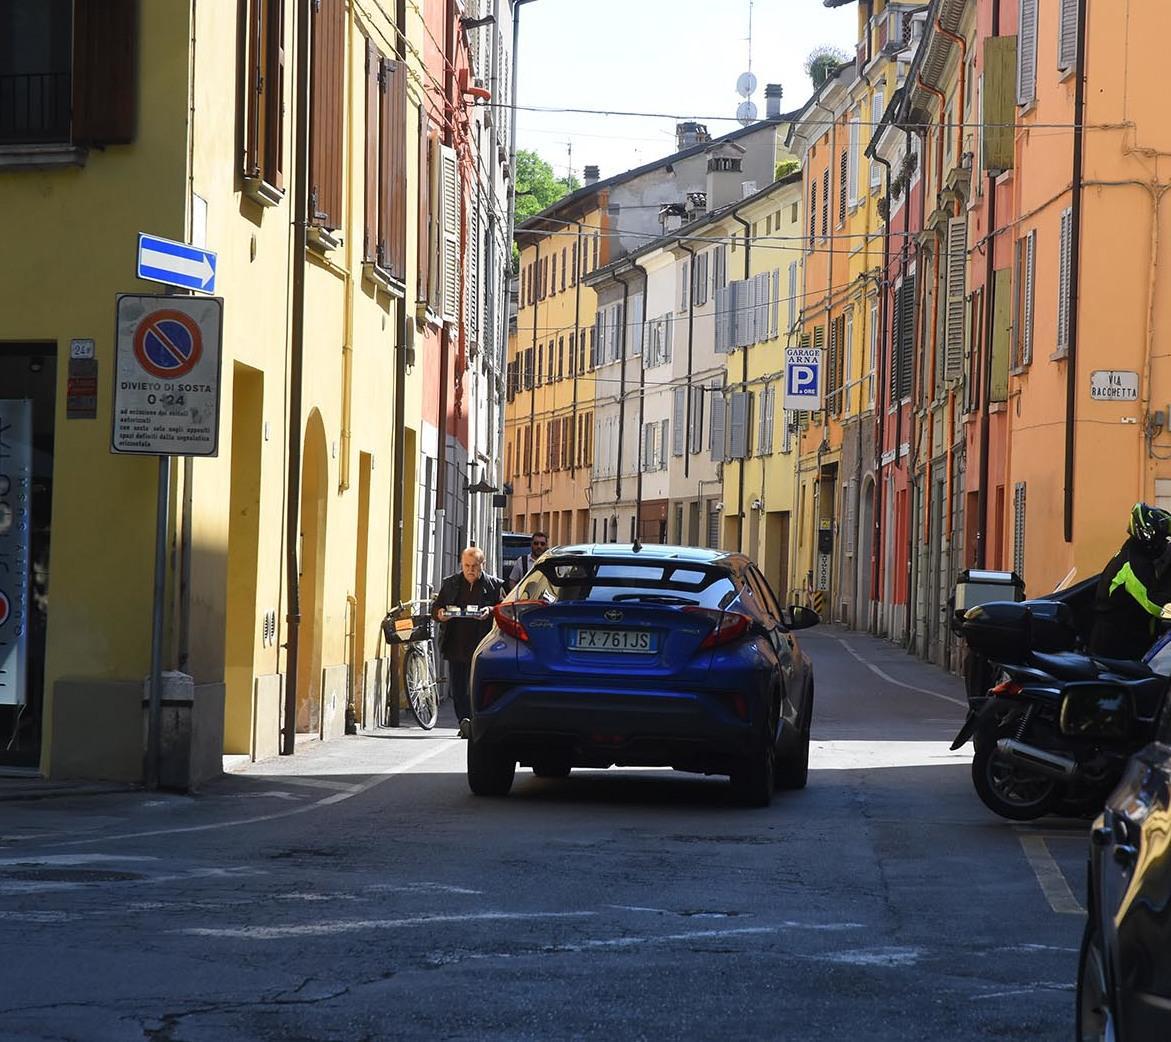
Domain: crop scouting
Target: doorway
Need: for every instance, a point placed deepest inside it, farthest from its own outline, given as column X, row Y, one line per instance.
column 28, row 382
column 314, row 492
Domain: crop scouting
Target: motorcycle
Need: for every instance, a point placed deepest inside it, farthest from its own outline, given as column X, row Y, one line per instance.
column 1057, row 726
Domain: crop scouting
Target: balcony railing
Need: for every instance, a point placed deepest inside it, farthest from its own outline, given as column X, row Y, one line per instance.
column 34, row 107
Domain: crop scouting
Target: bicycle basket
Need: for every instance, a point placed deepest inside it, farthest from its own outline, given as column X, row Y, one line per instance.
column 406, row 629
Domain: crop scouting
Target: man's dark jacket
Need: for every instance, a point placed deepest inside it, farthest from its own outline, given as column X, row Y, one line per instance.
column 1128, row 602
column 460, row 637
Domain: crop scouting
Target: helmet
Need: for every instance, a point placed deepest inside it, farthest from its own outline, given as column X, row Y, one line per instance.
column 1151, row 526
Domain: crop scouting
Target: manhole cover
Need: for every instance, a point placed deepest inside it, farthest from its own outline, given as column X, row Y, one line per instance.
column 69, row 875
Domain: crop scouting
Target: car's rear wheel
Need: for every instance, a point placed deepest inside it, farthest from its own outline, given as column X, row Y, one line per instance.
column 754, row 778
column 490, row 769
column 793, row 773
column 1095, row 1017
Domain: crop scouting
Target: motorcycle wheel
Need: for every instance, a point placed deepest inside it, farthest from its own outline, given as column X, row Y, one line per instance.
column 1012, row 791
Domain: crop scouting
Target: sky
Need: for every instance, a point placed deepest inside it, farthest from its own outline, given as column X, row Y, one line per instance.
column 680, row 57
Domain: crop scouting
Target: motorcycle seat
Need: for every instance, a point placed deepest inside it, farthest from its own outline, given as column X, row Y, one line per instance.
column 1066, row 665
column 1125, row 668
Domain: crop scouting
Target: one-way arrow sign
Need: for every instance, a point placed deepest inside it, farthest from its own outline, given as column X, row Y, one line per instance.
column 175, row 263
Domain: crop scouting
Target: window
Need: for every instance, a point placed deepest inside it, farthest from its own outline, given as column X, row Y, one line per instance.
column 764, row 439
column 553, row 277
column 659, row 337
column 684, row 285
column 877, row 110
column 695, row 434
column 264, row 94
column 67, row 72
column 855, row 143
column 573, row 280
column 872, row 351
column 739, row 413
column 573, row 354
column 903, row 340
column 1064, row 279
column 719, row 415
column 564, row 254
column 561, row 358
column 843, row 185
column 1018, row 528
column 702, row 264
column 768, row 225
column 812, row 212
column 1067, row 38
column 848, row 361
column 1026, row 69
column 678, row 406
column 385, row 228
column 327, row 115
column 825, row 203
column 793, row 308
column 1023, row 280
column 957, row 291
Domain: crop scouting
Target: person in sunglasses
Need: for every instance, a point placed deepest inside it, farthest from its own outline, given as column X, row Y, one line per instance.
column 522, row 565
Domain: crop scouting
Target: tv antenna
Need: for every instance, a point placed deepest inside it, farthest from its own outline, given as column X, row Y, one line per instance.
column 746, row 111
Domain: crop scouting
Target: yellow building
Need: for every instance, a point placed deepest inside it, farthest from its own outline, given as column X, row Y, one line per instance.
column 758, row 484
column 549, row 421
column 195, row 141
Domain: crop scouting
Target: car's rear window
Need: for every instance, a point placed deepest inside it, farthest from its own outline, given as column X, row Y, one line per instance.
column 563, row 580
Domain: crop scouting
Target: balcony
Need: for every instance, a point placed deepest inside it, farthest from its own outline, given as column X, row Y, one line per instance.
column 34, row 108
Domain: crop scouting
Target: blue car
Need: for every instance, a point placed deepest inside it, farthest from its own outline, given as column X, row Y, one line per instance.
column 666, row 656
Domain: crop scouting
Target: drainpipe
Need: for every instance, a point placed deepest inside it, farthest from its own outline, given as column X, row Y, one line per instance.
column 882, row 389
column 621, row 394
column 300, row 205
column 690, row 366
column 533, row 468
column 981, row 558
column 1079, row 112
column 911, row 479
column 735, row 213
column 577, row 351
column 626, row 323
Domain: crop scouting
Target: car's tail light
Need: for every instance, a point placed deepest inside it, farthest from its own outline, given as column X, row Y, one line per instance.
column 1007, row 689
column 735, row 701
column 727, row 626
column 490, row 694
column 508, row 616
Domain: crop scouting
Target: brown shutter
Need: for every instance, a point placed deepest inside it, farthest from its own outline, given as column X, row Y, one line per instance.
column 253, row 89
column 326, row 112
column 396, row 189
column 383, row 219
column 105, row 67
column 423, row 248
column 370, row 223
column 274, row 99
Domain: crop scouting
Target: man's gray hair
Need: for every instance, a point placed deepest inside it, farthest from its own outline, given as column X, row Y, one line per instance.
column 474, row 551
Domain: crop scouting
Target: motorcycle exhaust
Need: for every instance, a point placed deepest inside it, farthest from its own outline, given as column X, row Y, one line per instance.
column 1061, row 767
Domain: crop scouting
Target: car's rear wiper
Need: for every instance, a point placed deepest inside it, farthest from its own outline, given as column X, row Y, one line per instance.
column 657, row 598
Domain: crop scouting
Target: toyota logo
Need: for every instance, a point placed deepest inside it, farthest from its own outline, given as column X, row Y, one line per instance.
column 613, row 615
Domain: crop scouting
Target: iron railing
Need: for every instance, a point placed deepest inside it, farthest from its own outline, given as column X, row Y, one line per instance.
column 34, row 107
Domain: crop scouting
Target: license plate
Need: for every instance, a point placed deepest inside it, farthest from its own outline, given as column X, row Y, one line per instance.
column 634, row 642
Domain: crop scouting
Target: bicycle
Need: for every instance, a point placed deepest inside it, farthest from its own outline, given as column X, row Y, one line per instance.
column 409, row 623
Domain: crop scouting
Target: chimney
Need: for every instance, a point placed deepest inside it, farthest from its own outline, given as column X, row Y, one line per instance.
column 689, row 134
column 724, row 175
column 591, row 175
column 696, row 205
column 772, row 100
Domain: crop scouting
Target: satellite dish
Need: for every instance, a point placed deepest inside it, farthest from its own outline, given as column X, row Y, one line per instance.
column 746, row 84
column 746, row 113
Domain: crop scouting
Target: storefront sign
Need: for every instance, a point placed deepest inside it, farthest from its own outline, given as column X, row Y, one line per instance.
column 167, row 376
column 16, row 457
column 1113, row 385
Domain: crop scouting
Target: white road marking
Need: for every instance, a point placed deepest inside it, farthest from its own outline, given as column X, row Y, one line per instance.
column 268, row 933
column 1049, row 875
column 320, row 783
column 898, row 683
column 421, row 888
column 358, row 789
column 875, row 957
column 1029, row 990
column 62, row 860
column 853, row 756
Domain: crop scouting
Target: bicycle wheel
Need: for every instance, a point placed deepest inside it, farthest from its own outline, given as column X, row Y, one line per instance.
column 420, row 685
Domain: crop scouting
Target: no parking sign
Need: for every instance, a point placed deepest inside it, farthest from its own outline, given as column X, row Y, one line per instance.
column 167, row 376
column 803, row 378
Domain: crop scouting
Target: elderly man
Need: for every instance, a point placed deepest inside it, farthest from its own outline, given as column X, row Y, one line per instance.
column 463, row 604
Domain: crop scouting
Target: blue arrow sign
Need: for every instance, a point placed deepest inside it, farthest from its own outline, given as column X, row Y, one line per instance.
column 175, row 263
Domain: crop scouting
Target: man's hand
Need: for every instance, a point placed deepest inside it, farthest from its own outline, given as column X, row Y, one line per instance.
column 441, row 614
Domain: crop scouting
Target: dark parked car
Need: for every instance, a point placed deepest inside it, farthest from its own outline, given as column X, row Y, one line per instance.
column 1124, row 974
column 669, row 656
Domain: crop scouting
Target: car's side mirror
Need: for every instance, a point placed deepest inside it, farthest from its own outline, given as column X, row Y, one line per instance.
column 801, row 618
column 1095, row 711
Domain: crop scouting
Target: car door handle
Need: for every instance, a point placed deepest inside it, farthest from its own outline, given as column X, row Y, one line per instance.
column 1102, row 835
column 1125, row 855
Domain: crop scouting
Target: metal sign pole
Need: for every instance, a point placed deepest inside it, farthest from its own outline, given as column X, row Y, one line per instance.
column 155, row 712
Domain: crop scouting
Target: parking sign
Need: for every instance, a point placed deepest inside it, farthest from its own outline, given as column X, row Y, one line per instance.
column 803, row 378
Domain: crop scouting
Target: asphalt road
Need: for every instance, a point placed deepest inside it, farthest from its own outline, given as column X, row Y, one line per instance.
column 357, row 891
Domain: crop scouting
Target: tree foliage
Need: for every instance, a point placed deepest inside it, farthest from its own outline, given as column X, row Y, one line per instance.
column 822, row 61
column 536, row 186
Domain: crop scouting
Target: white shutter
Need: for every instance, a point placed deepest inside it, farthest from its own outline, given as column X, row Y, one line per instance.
column 1018, row 528
column 1067, row 39
column 739, row 425
column 696, row 433
column 1030, row 276
column 472, row 293
column 855, row 128
column 793, row 309
column 1065, row 268
column 662, row 446
column 648, row 447
column 1026, row 70
column 719, row 418
column 745, row 312
column 877, row 109
column 668, row 335
column 677, row 410
column 451, row 258
column 684, row 285
column 957, row 266
column 776, row 304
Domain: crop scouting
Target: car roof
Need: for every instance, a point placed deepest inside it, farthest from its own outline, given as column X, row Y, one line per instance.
column 651, row 552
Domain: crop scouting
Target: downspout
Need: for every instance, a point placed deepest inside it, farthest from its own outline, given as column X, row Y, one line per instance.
column 576, row 354
column 641, row 397
column 690, row 365
column 445, row 334
column 533, row 467
column 621, row 394
column 300, row 205
column 1079, row 112
column 911, row 480
column 882, row 389
column 735, row 214
column 981, row 558
column 398, row 461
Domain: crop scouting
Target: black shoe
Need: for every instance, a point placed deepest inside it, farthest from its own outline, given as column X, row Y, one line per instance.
column 465, row 727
